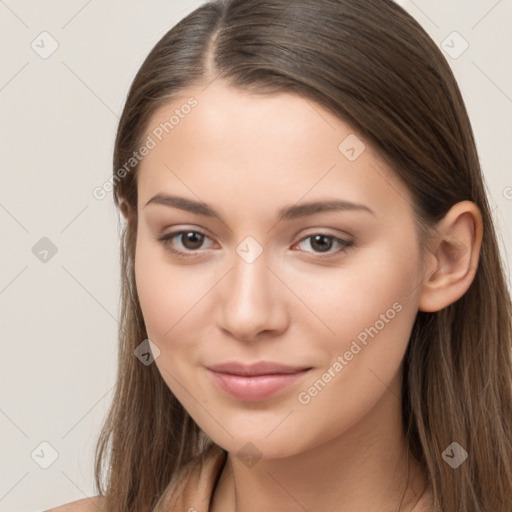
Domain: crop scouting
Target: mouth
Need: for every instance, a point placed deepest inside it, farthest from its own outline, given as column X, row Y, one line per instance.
column 255, row 382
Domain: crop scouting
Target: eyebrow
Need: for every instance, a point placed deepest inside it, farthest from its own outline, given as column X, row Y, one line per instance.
column 286, row 213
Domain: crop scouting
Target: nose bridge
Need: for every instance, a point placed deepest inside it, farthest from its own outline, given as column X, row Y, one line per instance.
column 251, row 279
column 250, row 299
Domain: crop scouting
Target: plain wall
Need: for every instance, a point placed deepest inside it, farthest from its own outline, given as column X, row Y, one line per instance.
column 58, row 120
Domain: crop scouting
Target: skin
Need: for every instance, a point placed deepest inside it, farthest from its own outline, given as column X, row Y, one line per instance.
column 247, row 156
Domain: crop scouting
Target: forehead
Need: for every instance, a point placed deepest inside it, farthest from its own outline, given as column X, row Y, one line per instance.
column 276, row 148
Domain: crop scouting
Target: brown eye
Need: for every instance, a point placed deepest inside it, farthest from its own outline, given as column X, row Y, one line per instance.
column 191, row 241
column 323, row 243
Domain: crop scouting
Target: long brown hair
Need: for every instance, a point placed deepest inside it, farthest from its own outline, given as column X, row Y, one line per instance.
column 373, row 65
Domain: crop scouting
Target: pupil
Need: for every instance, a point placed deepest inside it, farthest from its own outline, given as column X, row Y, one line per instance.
column 323, row 247
column 190, row 236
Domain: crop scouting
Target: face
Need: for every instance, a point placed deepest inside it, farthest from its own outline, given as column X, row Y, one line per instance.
column 331, row 292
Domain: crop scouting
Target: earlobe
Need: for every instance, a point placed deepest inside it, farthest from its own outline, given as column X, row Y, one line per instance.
column 453, row 257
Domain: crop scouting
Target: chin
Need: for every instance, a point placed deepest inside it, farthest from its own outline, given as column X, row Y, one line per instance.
column 258, row 445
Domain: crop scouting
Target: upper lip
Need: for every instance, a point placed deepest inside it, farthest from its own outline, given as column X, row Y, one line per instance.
column 259, row 368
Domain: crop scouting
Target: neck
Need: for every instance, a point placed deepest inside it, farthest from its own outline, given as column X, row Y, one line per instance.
column 365, row 468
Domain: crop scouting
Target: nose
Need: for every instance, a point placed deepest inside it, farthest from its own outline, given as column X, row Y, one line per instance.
column 252, row 301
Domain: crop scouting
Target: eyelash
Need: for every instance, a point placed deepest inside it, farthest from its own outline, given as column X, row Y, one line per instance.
column 165, row 239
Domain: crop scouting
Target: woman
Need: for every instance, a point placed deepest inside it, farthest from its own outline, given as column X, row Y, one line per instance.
column 314, row 309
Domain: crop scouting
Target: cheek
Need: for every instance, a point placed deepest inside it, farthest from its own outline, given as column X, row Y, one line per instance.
column 372, row 324
column 370, row 309
column 166, row 298
column 151, row 285
column 367, row 290
column 174, row 301
column 165, row 294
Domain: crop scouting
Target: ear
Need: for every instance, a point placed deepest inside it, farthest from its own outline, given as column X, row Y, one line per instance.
column 126, row 210
column 452, row 258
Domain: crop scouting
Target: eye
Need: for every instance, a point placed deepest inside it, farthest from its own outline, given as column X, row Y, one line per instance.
column 192, row 241
column 324, row 242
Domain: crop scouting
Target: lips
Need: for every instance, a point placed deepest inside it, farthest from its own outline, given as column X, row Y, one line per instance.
column 259, row 368
column 257, row 381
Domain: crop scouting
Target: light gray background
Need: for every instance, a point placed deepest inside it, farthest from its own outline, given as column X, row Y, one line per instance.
column 58, row 120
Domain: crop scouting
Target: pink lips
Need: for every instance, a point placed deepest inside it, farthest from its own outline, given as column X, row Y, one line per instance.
column 256, row 381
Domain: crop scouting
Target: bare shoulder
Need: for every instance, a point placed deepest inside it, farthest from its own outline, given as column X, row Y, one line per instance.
column 94, row 504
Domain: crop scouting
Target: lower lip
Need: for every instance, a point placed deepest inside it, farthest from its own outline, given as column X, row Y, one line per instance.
column 257, row 387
